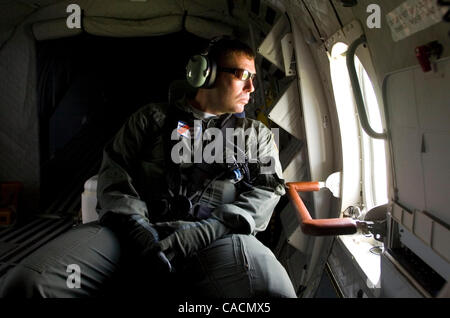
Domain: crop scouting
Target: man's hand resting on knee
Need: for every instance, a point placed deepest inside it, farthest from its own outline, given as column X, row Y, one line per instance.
column 142, row 235
column 185, row 238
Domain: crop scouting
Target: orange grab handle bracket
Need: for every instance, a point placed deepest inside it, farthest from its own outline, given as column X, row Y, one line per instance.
column 318, row 227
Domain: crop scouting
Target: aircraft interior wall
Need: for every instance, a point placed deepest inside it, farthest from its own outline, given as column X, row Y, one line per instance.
column 387, row 59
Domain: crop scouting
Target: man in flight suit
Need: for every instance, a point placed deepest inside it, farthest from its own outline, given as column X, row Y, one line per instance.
column 170, row 224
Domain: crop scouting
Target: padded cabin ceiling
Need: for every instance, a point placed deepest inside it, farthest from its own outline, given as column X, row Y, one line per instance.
column 227, row 12
column 12, row 11
column 205, row 18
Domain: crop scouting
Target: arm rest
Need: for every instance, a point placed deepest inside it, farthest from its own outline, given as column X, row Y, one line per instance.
column 318, row 227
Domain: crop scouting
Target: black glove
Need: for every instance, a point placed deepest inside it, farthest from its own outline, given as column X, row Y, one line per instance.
column 185, row 238
column 142, row 235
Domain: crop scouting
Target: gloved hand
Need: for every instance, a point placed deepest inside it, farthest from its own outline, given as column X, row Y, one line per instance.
column 142, row 235
column 148, row 237
column 185, row 238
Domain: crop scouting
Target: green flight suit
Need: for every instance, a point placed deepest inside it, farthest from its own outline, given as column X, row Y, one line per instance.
column 134, row 169
column 133, row 180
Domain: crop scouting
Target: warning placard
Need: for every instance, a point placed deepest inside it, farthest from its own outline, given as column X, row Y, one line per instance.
column 413, row 16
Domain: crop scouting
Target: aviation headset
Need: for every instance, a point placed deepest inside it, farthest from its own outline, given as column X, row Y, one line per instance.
column 201, row 69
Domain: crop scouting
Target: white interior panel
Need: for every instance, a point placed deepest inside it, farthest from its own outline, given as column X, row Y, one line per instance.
column 418, row 104
column 402, row 104
column 436, row 160
column 408, row 167
column 432, row 91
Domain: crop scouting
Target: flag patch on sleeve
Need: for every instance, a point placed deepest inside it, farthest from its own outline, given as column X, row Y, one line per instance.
column 183, row 129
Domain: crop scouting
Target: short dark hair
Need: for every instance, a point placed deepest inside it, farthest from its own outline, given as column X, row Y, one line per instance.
column 226, row 46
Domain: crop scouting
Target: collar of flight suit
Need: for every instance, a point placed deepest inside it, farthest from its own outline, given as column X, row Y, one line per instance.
column 184, row 105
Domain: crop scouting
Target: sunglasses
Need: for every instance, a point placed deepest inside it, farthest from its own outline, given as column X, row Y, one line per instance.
column 240, row 73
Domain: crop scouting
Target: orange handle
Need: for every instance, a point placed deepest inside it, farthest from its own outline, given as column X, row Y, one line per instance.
column 319, row 227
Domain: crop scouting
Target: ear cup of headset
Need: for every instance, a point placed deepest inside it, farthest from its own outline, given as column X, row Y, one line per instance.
column 197, row 70
column 201, row 71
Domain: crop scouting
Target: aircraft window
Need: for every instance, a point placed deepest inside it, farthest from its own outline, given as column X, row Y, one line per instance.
column 374, row 174
column 364, row 176
column 348, row 124
column 359, row 149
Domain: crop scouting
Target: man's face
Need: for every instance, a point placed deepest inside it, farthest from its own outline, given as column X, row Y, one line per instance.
column 230, row 93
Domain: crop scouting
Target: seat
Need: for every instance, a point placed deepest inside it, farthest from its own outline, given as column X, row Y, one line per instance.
column 89, row 200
